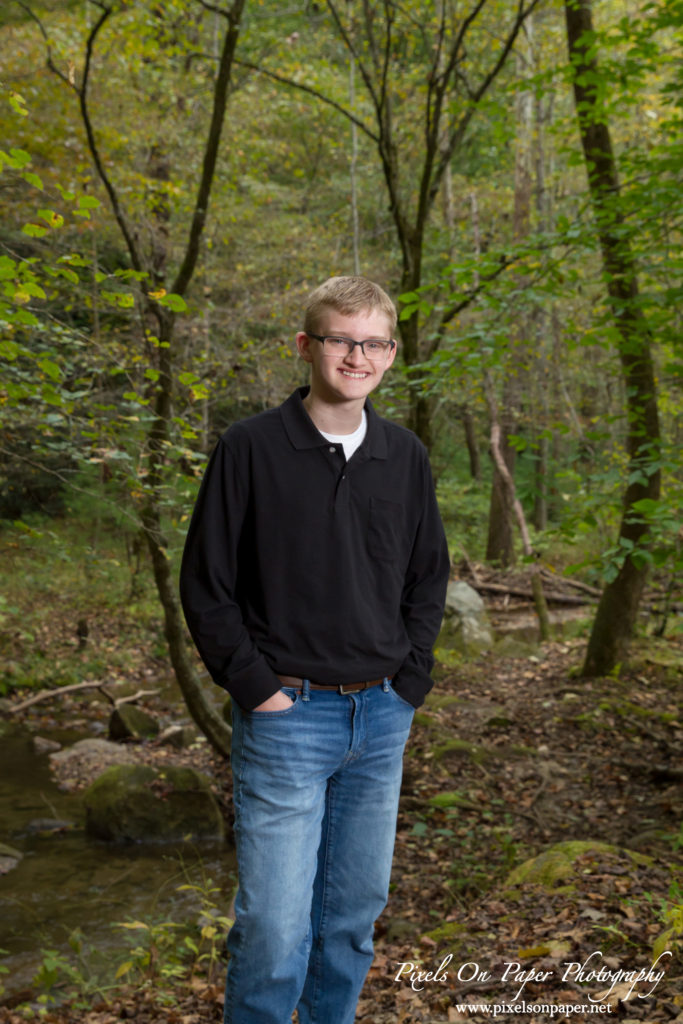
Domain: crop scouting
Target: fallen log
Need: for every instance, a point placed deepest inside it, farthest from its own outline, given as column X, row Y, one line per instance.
column 500, row 588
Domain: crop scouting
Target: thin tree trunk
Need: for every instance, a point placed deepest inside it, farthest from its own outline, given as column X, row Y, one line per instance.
column 500, row 543
column 508, row 484
column 617, row 612
column 159, row 436
column 467, row 421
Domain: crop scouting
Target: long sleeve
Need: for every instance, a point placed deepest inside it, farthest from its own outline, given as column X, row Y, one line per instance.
column 424, row 595
column 208, row 580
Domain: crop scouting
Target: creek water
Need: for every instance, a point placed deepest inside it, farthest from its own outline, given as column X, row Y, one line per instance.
column 67, row 881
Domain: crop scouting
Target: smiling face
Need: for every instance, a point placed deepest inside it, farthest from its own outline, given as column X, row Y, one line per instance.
column 351, row 378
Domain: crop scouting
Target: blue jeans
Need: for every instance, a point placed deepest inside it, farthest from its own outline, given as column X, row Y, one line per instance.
column 316, row 790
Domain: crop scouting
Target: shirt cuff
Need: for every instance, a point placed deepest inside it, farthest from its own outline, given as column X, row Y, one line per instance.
column 252, row 685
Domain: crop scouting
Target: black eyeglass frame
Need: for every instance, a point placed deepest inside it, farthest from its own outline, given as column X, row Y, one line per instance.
column 322, row 338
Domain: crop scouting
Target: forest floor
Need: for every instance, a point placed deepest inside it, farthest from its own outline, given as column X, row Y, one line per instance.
column 509, row 758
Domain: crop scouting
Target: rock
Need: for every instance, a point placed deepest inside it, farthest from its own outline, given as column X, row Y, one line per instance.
column 465, row 624
column 9, row 858
column 101, row 752
column 141, row 803
column 128, row 722
column 176, row 736
column 81, row 763
column 41, row 745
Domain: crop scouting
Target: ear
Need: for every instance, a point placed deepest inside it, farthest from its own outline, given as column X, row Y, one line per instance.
column 304, row 344
column 391, row 356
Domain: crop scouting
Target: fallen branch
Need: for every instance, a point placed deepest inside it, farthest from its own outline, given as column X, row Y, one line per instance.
column 59, row 691
column 577, row 584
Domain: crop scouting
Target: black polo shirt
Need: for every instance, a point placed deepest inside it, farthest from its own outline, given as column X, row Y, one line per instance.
column 300, row 563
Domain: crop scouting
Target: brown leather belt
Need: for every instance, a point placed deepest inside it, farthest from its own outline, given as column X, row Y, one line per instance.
column 296, row 683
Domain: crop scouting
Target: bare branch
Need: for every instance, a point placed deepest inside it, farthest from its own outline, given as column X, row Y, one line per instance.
column 92, row 142
column 49, row 61
column 283, row 80
column 351, row 47
column 476, row 95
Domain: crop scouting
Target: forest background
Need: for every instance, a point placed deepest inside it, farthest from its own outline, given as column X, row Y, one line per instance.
column 175, row 178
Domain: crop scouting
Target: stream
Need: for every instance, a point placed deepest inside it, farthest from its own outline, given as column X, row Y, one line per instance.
column 67, row 881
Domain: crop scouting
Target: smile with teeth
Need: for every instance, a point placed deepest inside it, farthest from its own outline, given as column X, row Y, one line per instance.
column 355, row 376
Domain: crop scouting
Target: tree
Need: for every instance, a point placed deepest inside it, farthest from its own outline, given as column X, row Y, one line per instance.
column 618, row 608
column 160, row 306
column 424, row 71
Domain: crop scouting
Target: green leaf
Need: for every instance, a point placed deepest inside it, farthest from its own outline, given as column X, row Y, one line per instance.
column 34, row 230
column 50, row 368
column 174, row 302
column 20, row 158
column 33, row 179
column 18, row 104
column 55, row 220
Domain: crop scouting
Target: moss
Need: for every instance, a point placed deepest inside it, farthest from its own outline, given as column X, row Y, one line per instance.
column 424, row 720
column 557, row 864
column 451, row 799
column 442, row 700
column 446, row 932
column 477, row 753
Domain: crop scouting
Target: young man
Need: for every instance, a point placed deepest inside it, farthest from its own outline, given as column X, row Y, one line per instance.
column 313, row 583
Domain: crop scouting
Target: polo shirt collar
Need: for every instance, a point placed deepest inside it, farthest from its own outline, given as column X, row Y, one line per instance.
column 303, row 433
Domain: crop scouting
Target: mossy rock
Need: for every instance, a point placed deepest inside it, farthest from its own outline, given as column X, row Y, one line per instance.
column 139, row 803
column 558, row 863
column 130, row 723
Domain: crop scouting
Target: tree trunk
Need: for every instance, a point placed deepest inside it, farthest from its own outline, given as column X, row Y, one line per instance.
column 618, row 608
column 508, row 485
column 212, row 725
column 467, row 421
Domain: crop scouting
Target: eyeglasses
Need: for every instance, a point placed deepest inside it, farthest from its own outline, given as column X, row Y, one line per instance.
column 334, row 345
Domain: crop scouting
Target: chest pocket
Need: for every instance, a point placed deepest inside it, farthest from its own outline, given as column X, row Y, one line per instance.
column 386, row 530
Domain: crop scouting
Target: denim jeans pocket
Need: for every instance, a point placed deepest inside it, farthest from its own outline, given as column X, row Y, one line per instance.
column 283, row 712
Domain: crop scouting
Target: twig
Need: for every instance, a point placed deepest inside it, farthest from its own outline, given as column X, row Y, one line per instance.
column 133, row 697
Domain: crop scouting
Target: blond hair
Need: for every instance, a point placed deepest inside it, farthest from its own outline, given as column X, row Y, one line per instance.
column 348, row 296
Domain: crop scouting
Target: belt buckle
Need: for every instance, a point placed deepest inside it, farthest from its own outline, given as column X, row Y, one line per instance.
column 345, row 688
